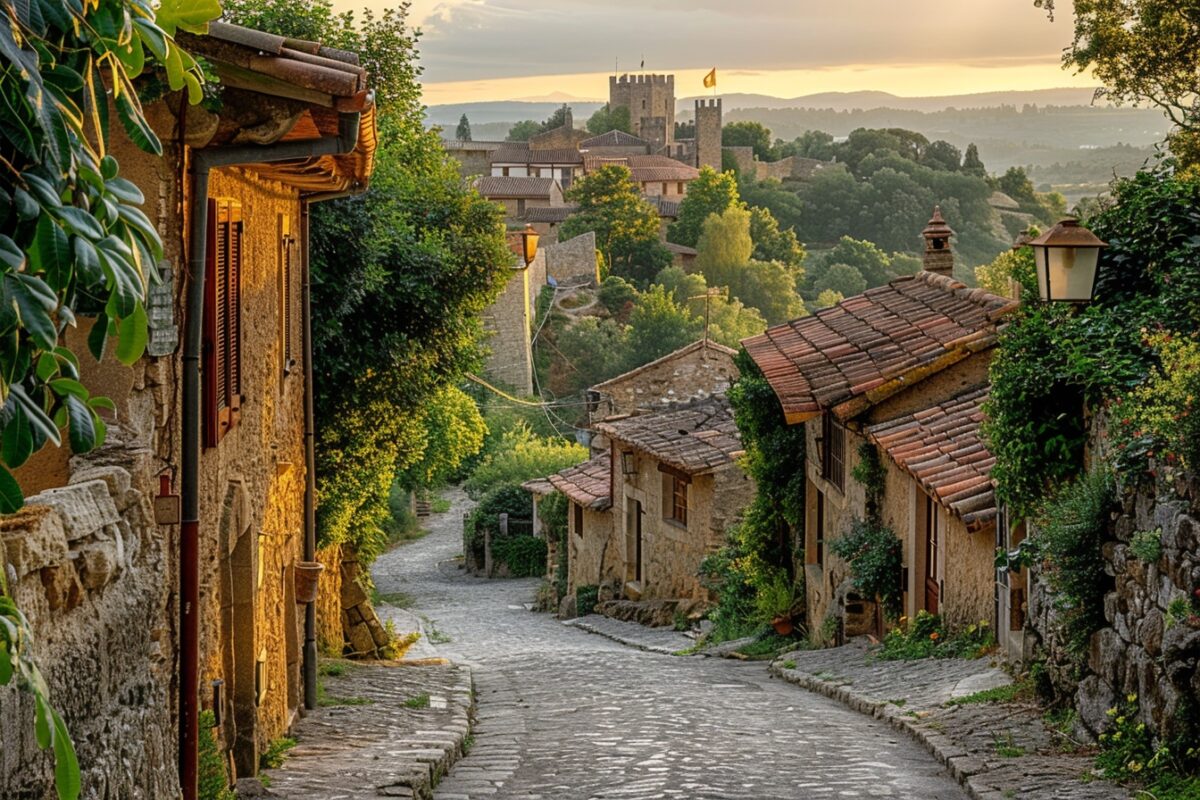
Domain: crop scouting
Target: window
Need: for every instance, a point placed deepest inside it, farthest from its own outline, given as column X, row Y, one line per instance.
column 675, row 494
column 222, row 320
column 679, row 187
column 287, row 247
column 520, row 206
column 504, row 171
column 664, row 188
column 833, row 461
column 578, row 509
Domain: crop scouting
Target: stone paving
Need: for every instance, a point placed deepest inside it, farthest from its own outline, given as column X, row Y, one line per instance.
column 567, row 715
column 995, row 750
column 665, row 641
column 388, row 729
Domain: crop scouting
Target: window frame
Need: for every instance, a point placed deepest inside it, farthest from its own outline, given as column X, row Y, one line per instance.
column 222, row 352
column 833, row 452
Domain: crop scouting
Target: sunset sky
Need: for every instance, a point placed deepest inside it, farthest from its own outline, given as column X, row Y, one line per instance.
column 508, row 49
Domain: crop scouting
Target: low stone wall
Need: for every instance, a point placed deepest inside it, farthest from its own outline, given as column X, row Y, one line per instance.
column 347, row 624
column 91, row 570
column 330, row 636
column 1148, row 647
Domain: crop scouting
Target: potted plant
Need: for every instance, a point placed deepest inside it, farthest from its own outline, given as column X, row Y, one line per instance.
column 775, row 600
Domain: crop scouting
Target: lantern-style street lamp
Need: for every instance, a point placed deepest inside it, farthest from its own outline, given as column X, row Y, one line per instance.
column 529, row 244
column 1067, row 257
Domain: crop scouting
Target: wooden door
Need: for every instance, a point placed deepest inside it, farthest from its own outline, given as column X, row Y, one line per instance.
column 931, row 556
column 637, row 515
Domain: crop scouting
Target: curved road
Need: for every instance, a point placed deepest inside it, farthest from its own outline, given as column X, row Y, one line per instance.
column 567, row 715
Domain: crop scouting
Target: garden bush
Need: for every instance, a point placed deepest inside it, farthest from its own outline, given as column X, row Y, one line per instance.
column 525, row 556
column 875, row 555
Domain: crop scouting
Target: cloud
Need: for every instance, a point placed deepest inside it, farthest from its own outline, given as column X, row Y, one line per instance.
column 483, row 39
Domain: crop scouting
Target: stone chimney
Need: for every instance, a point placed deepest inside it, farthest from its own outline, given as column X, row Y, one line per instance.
column 939, row 257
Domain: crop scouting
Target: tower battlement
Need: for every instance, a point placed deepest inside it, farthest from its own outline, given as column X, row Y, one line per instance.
column 714, row 102
column 645, row 80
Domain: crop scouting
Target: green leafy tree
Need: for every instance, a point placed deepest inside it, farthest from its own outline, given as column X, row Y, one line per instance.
column 523, row 130
column 749, row 134
column 463, row 132
column 556, row 120
column 617, row 295
column 522, row 456
column 828, row 298
column 905, row 264
column 724, row 247
column 869, row 261
column 772, row 243
column 769, row 287
column 711, row 193
column 626, row 226
column 971, row 164
column 607, row 118
column 842, row 279
column 657, row 326
column 729, row 319
column 453, row 430
column 810, row 144
column 1010, row 265
column 595, row 349
column 942, row 155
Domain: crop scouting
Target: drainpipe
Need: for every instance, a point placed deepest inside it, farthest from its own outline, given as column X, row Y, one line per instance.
column 310, row 460
column 203, row 162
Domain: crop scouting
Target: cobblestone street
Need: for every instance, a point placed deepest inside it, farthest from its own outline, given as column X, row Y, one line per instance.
column 567, row 714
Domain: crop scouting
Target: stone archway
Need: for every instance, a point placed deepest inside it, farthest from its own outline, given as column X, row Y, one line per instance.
column 238, row 574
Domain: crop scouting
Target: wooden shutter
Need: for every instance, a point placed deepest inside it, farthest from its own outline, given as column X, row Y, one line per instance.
column 289, row 359
column 222, row 384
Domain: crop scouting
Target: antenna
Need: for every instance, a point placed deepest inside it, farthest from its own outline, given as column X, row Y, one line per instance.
column 709, row 294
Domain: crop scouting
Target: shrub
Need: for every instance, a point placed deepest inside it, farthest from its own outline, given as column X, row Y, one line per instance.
column 1068, row 545
column 926, row 637
column 213, row 777
column 875, row 556
column 524, row 555
column 1147, row 545
column 586, row 598
column 727, row 573
column 521, row 456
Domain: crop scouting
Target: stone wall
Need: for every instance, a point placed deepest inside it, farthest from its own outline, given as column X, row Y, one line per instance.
column 708, row 133
column 743, row 158
column 699, row 370
column 594, row 555
column 1147, row 647
column 573, row 261
column 509, row 321
column 91, row 570
column 645, row 96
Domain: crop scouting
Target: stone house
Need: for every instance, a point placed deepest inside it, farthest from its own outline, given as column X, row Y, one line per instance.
column 517, row 194
column 593, row 547
column 676, row 489
column 509, row 320
column 559, row 164
column 616, row 143
column 902, row 367
column 475, row 157
column 696, row 371
column 140, row 619
column 654, row 175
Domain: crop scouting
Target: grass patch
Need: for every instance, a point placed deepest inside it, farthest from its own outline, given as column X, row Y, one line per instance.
column 439, row 505
column 789, row 664
column 1020, row 690
column 397, row 599
column 468, row 743
column 899, row 702
column 1006, row 748
column 326, row 700
column 418, row 701
column 276, row 753
column 334, row 669
column 432, row 634
column 767, row 647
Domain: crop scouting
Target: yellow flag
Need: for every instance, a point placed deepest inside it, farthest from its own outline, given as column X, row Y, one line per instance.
column 710, row 80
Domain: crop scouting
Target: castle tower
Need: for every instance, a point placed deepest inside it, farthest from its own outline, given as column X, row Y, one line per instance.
column 939, row 257
column 651, row 103
column 708, row 133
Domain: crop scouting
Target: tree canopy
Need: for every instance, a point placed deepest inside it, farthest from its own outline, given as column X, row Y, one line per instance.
column 749, row 134
column 607, row 119
column 711, row 193
column 463, row 132
column 521, row 131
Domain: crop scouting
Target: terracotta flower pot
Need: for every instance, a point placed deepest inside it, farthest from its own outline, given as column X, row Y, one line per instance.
column 782, row 624
column 308, row 575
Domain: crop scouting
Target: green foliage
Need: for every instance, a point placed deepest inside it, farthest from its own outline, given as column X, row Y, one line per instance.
column 453, row 430
column 606, row 119
column 417, row 701
column 1147, row 545
column 730, row 574
column 1128, row 754
column 871, row 474
column 524, row 555
column 724, row 259
column 828, row 298
column 774, row 598
column 875, row 556
column 657, row 326
column 617, row 295
column 523, row 130
column 586, row 598
column 749, row 134
column 626, row 225
column 942, row 155
column 730, row 321
column 1047, row 208
column 556, row 120
column 711, row 193
column 840, row 279
column 213, row 775
column 1156, row 428
column 463, row 132
column 1067, row 545
column 505, row 498
column 276, row 753
column 1011, row 265
column 971, row 164
column 396, row 317
column 772, row 243
column 522, row 456
column 999, row 694
column 926, row 637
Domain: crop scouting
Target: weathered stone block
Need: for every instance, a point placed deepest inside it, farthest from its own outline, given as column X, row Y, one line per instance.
column 352, row 594
column 84, row 507
column 118, row 479
column 98, row 563
column 34, row 539
column 361, row 640
column 1150, row 632
column 1094, row 699
column 62, row 587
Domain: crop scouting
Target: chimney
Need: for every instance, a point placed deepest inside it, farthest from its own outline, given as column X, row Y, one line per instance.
column 939, row 257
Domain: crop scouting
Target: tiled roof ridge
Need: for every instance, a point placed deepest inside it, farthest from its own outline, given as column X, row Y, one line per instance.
column 976, row 295
column 687, row 348
column 683, row 437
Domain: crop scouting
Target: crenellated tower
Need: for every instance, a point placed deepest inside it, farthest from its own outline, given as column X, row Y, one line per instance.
column 651, row 103
column 708, row 133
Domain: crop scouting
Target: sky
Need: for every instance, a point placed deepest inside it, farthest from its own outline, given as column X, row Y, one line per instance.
column 474, row 50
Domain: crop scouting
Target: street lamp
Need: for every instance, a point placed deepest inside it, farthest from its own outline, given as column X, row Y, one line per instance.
column 1067, row 257
column 529, row 243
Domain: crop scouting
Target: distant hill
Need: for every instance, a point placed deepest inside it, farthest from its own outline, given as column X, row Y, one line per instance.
column 850, row 101
column 504, row 111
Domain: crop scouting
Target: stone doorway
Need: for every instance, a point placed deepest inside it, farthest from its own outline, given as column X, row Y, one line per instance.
column 238, row 574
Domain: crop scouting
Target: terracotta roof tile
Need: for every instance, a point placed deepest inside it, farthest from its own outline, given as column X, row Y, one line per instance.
column 645, row 169
column 871, row 345
column 941, row 448
column 547, row 156
column 697, row 438
column 507, row 186
column 548, row 213
column 588, row 483
column 614, row 138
